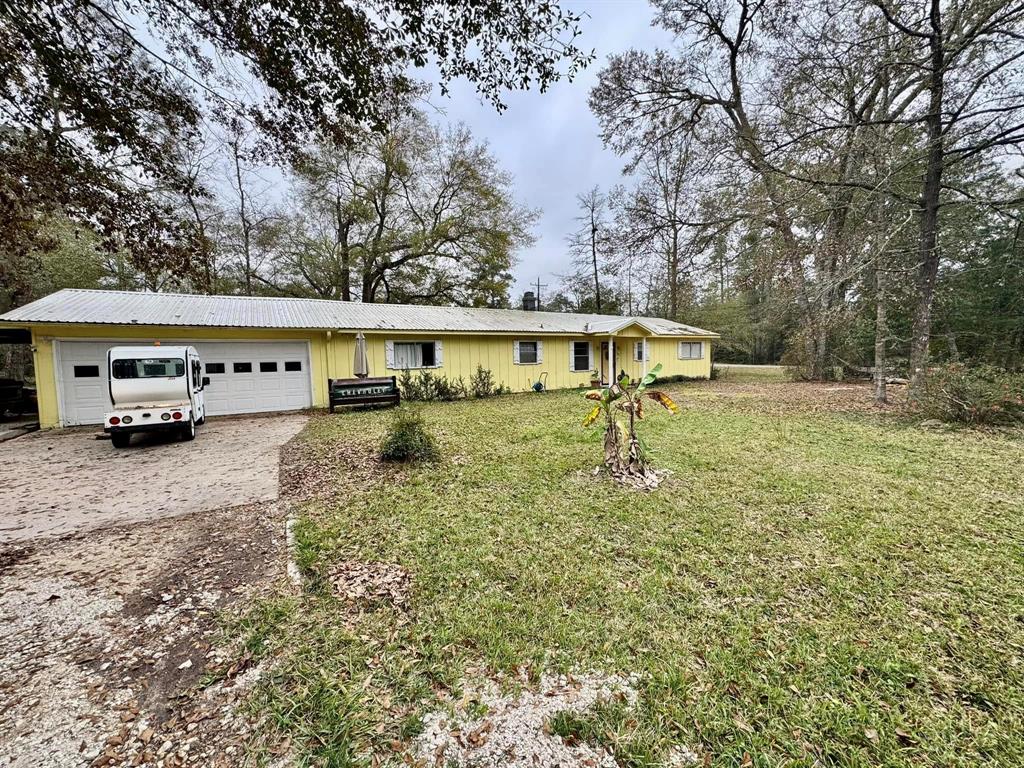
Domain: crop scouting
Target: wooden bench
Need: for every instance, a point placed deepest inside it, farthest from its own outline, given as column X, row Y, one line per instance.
column 369, row 391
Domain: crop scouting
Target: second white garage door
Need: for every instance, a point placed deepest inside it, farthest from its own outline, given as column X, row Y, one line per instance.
column 245, row 377
column 252, row 377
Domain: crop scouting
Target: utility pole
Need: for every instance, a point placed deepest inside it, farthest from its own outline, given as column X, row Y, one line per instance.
column 538, row 285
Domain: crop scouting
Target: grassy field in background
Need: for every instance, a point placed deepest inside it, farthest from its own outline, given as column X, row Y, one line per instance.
column 815, row 583
column 739, row 373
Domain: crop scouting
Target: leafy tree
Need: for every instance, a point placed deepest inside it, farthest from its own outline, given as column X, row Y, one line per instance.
column 95, row 93
column 411, row 214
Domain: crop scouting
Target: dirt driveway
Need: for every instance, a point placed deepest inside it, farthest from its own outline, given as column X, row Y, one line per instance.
column 57, row 483
column 112, row 650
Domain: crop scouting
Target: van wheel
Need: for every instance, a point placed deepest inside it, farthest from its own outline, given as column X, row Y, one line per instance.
column 120, row 439
column 188, row 431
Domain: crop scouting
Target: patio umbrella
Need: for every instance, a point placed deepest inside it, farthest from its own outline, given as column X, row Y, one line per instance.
column 360, row 366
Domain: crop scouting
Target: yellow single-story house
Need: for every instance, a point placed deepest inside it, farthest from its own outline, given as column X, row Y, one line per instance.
column 275, row 354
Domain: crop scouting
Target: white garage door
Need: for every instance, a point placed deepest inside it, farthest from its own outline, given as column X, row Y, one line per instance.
column 245, row 377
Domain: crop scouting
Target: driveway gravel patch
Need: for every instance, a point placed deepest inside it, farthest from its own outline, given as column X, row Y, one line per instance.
column 60, row 482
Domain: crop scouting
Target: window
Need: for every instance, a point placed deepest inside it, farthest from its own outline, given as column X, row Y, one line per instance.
column 691, row 350
column 292, row 365
column 87, row 371
column 242, row 367
column 640, row 350
column 148, row 368
column 197, row 375
column 413, row 354
column 527, row 352
column 268, row 367
column 581, row 358
column 215, row 367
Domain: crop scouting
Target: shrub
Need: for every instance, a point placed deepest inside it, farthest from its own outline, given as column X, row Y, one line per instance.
column 482, row 382
column 429, row 387
column 408, row 386
column 408, row 438
column 980, row 394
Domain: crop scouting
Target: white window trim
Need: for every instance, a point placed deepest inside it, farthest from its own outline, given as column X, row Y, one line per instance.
column 572, row 356
column 540, row 351
column 389, row 354
column 647, row 351
column 700, row 347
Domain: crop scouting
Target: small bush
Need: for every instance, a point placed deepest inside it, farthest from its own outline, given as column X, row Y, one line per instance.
column 408, row 438
column 428, row 387
column 980, row 394
column 482, row 383
column 407, row 385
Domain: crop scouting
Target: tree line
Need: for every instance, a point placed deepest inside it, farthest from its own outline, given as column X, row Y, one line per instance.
column 827, row 184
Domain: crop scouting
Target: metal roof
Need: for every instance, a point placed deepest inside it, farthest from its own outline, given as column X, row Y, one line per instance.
column 75, row 305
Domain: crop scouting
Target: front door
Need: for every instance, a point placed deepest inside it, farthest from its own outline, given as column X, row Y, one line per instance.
column 609, row 364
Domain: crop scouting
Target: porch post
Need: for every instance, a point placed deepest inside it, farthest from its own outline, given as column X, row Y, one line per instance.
column 612, row 375
column 643, row 354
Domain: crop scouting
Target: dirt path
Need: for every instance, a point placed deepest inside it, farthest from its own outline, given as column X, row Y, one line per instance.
column 111, row 637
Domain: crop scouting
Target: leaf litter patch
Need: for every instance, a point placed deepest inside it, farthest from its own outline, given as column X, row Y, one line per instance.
column 369, row 584
column 514, row 730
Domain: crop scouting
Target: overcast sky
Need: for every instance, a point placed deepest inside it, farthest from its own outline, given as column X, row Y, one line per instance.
column 549, row 141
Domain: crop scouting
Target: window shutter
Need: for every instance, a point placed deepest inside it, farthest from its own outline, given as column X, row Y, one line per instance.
column 590, row 355
column 572, row 355
column 389, row 354
column 540, row 351
column 515, row 352
column 679, row 350
column 438, row 356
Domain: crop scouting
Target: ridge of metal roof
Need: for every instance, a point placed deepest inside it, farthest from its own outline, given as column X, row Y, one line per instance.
column 102, row 307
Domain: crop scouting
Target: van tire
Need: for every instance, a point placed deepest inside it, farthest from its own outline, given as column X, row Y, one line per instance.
column 188, row 431
column 120, row 439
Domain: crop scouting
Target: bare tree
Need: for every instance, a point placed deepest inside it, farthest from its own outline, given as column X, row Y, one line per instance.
column 589, row 242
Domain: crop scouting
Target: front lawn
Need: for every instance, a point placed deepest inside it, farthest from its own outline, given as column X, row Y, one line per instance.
column 815, row 583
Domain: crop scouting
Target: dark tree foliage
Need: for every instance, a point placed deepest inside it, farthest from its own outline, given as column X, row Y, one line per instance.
column 95, row 94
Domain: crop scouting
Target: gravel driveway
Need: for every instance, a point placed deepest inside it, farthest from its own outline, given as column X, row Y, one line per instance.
column 56, row 483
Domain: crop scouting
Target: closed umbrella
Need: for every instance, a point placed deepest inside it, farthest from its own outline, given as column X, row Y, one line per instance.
column 360, row 366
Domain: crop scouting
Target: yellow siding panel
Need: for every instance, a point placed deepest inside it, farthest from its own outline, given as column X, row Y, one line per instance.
column 461, row 354
column 331, row 355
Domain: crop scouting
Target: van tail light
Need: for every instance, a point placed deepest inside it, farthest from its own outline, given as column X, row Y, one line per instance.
column 176, row 415
column 114, row 421
column 165, row 416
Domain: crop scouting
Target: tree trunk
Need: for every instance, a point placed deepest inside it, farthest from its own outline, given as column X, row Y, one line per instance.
column 954, row 350
column 593, row 255
column 928, row 253
column 881, row 335
column 673, row 277
column 346, row 257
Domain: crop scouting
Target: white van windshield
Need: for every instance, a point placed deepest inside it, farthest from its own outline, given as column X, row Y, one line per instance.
column 148, row 368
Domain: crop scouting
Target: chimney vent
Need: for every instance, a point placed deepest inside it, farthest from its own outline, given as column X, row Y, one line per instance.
column 530, row 301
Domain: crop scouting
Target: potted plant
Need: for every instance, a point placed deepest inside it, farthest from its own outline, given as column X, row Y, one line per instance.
column 595, row 378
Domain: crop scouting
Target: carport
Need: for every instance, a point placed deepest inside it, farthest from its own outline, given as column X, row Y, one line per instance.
column 17, row 397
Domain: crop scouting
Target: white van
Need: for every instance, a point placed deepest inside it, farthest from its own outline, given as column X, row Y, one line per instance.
column 154, row 388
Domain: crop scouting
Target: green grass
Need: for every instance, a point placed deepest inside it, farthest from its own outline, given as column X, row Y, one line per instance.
column 754, row 374
column 811, row 588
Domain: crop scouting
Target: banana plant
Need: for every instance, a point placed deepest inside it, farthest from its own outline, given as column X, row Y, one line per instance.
column 616, row 398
